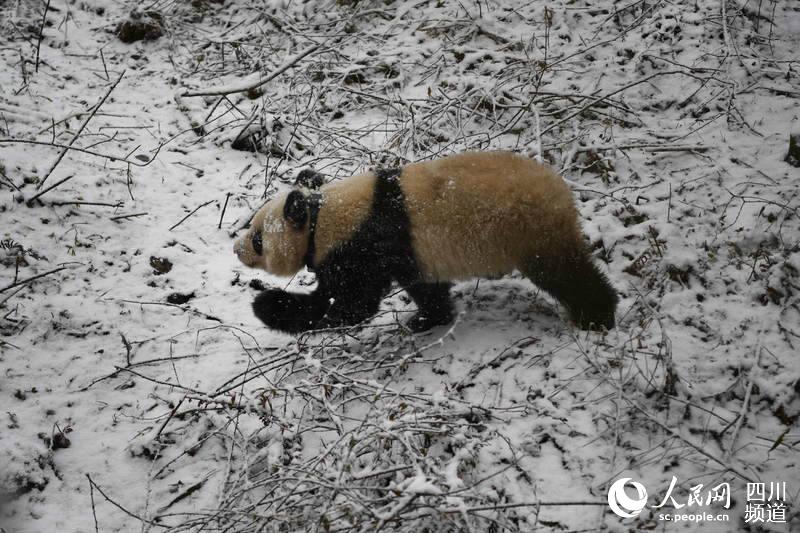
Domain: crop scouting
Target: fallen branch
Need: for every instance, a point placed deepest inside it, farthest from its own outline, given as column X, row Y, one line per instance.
column 181, row 307
column 166, row 421
column 120, row 507
column 94, row 510
column 84, row 151
column 80, row 202
column 7, row 181
column 36, row 196
column 253, row 85
column 195, row 210
column 127, row 349
column 746, row 402
column 132, row 215
column 32, row 278
column 224, row 207
column 685, row 440
column 650, row 147
column 7, row 298
column 41, row 32
column 159, row 382
column 80, row 129
column 154, row 361
column 603, row 97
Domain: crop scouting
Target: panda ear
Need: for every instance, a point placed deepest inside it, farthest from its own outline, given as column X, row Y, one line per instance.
column 309, row 178
column 294, row 210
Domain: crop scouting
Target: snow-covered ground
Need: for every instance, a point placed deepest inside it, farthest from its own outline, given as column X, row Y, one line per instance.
column 139, row 392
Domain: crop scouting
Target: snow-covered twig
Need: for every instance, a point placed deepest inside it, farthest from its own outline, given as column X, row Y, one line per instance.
column 80, row 129
column 41, row 32
column 192, row 212
column 121, row 508
column 689, row 442
column 67, row 147
column 259, row 80
column 33, row 278
column 747, row 394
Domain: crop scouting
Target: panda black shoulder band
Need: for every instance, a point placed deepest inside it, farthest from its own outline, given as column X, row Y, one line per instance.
column 314, row 202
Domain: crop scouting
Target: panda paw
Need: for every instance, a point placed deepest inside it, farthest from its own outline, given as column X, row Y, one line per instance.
column 597, row 321
column 286, row 311
column 420, row 322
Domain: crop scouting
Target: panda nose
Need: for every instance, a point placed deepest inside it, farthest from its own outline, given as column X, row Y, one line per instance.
column 237, row 248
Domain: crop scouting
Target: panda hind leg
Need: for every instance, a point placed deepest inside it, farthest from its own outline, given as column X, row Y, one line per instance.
column 576, row 282
column 434, row 306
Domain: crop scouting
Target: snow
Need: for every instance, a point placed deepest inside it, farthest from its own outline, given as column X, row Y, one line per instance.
column 181, row 412
column 419, row 484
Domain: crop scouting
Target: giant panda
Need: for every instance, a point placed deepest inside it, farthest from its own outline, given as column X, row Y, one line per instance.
column 425, row 225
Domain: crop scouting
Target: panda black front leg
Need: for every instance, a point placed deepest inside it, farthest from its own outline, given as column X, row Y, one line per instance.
column 435, row 308
column 290, row 312
column 353, row 299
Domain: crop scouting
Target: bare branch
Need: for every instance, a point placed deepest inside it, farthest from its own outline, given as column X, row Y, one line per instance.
column 83, row 125
column 252, row 85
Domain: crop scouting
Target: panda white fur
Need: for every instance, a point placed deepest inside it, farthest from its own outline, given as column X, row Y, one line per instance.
column 478, row 214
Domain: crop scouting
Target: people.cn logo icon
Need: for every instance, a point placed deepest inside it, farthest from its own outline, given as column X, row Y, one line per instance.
column 622, row 504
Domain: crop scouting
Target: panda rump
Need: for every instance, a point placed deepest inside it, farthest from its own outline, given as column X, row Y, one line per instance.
column 477, row 214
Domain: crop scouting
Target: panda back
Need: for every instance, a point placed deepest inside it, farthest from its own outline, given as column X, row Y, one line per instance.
column 483, row 213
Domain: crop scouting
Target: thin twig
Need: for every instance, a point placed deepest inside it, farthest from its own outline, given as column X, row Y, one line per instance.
column 127, row 348
column 94, row 510
column 80, row 130
column 224, row 207
column 121, row 508
column 36, row 196
column 159, row 382
column 700, row 449
column 746, row 402
column 132, row 215
column 539, row 154
column 115, row 205
column 599, row 99
column 105, row 68
column 7, row 298
column 250, row 86
column 169, row 417
column 650, row 147
column 41, row 31
column 135, row 365
column 181, row 221
column 32, row 278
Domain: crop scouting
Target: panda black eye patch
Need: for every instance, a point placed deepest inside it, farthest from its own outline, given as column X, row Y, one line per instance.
column 258, row 247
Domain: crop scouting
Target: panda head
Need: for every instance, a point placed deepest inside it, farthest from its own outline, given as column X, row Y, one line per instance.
column 277, row 240
column 278, row 236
